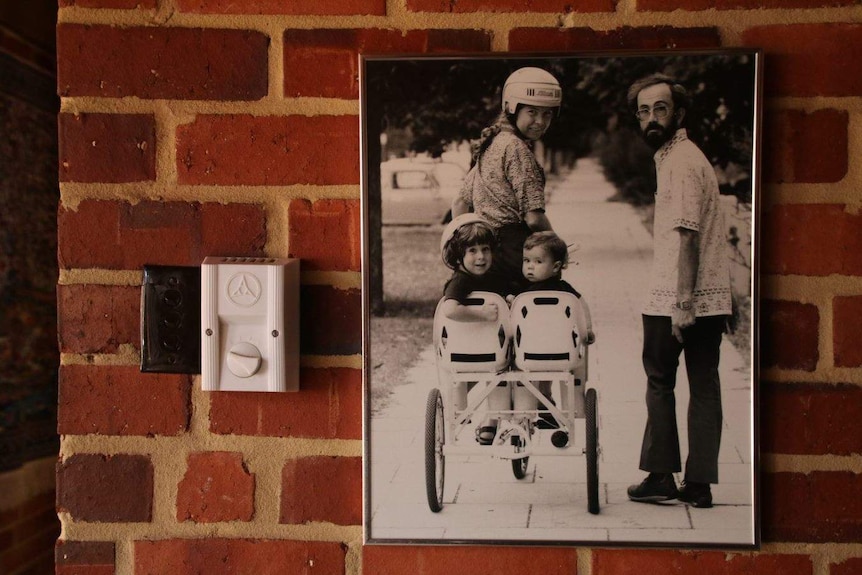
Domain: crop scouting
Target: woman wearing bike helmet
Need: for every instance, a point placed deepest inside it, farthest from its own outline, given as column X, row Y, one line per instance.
column 506, row 185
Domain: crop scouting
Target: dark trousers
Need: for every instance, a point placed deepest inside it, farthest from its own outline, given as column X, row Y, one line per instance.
column 661, row 351
column 509, row 256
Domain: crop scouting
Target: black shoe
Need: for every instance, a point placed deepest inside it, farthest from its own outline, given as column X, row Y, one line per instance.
column 696, row 494
column 656, row 487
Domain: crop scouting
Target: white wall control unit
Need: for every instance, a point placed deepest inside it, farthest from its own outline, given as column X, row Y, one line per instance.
column 250, row 324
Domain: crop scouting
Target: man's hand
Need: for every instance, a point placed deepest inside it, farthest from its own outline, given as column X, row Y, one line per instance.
column 679, row 320
column 689, row 260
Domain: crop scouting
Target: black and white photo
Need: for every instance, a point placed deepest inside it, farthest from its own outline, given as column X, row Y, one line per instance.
column 560, row 298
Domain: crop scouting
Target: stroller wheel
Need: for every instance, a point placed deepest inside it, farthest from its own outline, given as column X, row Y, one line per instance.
column 592, row 452
column 435, row 461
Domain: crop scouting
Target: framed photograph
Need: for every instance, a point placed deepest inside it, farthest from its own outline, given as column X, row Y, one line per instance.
column 560, row 298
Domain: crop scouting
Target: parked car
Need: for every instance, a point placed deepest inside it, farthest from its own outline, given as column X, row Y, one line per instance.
column 418, row 190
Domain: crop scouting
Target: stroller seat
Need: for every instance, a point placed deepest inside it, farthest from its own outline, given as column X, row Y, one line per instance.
column 481, row 346
column 549, row 330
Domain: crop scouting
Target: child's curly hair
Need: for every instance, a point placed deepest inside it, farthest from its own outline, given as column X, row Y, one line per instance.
column 553, row 243
column 471, row 234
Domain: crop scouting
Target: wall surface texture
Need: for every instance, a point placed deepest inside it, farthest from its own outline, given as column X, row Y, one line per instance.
column 198, row 127
column 28, row 278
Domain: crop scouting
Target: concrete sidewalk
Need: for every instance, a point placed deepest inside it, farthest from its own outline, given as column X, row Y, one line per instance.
column 483, row 500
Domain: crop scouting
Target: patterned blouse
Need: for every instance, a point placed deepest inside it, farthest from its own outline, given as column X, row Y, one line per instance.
column 687, row 197
column 506, row 182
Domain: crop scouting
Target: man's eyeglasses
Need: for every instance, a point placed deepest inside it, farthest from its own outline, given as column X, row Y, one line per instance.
column 660, row 111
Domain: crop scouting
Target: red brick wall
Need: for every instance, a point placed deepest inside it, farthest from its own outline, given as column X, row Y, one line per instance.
column 184, row 120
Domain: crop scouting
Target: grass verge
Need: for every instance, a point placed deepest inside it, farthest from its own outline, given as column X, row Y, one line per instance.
column 413, row 279
column 395, row 346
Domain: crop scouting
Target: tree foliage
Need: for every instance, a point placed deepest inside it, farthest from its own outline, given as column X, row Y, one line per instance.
column 445, row 100
column 720, row 119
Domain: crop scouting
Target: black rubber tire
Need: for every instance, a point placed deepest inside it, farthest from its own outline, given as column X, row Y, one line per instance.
column 435, row 461
column 519, row 467
column 592, row 439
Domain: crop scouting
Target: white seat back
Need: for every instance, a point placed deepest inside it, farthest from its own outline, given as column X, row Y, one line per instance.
column 474, row 346
column 548, row 331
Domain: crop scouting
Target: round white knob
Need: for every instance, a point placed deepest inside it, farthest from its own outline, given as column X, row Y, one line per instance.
column 243, row 359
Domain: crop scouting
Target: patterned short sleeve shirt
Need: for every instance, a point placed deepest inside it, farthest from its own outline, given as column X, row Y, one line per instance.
column 506, row 183
column 687, row 197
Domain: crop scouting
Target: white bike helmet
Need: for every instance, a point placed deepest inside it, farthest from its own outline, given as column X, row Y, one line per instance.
column 452, row 227
column 532, row 87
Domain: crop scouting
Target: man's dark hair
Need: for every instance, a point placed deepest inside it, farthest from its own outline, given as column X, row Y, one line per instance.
column 677, row 91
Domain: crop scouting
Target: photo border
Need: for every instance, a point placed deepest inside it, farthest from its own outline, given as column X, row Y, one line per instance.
column 367, row 221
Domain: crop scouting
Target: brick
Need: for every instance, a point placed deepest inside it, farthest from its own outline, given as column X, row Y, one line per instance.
column 647, row 38
column 104, row 488
column 9, row 516
column 694, row 5
column 114, row 4
column 812, row 240
column 827, row 419
column 630, row 562
column 120, row 400
column 789, row 335
column 325, row 62
column 393, row 560
column 331, row 320
column 325, row 234
column 851, row 566
column 216, row 487
column 98, row 319
column 13, row 45
column 90, row 235
column 813, row 149
column 42, row 561
column 43, row 521
column 322, row 489
column 14, row 515
column 329, row 406
column 110, row 148
column 269, row 150
column 232, row 230
column 30, row 554
column 118, row 235
column 162, row 63
column 297, row 7
column 555, row 6
column 258, row 556
column 84, row 557
column 25, row 545
column 817, row 507
column 810, row 59
column 847, row 331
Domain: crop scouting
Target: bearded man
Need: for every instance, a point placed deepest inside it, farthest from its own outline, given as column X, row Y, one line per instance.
column 688, row 303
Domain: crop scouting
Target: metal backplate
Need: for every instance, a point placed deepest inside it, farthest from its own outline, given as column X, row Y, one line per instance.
column 171, row 319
